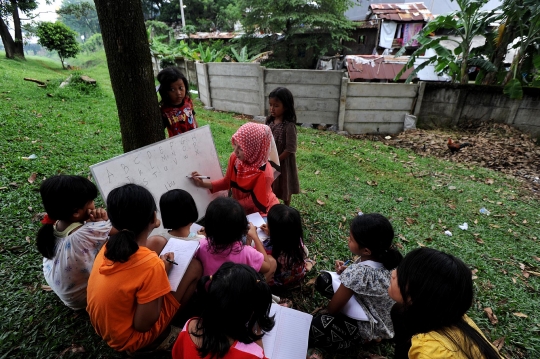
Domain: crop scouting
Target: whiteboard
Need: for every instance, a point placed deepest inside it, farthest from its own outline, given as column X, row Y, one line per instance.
column 163, row 166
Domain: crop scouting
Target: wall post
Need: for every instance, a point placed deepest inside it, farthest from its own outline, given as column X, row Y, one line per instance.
column 419, row 98
column 262, row 96
column 342, row 103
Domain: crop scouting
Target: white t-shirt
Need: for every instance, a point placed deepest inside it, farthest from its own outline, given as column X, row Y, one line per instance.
column 67, row 273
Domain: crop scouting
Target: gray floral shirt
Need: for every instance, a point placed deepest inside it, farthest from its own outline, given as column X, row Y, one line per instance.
column 370, row 281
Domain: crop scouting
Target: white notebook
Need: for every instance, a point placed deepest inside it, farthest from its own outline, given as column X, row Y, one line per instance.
column 289, row 337
column 352, row 309
column 257, row 221
column 183, row 254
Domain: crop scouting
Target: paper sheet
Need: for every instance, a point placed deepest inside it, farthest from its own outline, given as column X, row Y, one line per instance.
column 183, row 253
column 257, row 221
column 352, row 309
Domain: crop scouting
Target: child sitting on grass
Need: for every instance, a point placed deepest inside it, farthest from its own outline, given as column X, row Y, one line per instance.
column 225, row 225
column 178, row 213
column 73, row 231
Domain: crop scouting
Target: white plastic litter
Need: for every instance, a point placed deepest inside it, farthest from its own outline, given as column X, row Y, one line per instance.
column 464, row 226
column 484, row 211
column 448, row 233
column 31, row 157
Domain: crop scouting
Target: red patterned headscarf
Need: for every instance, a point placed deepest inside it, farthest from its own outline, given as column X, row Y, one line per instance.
column 255, row 140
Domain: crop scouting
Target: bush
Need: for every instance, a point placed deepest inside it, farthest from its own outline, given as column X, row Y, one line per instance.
column 93, row 44
column 58, row 37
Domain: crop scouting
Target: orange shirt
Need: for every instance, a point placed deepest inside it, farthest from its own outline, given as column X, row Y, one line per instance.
column 115, row 288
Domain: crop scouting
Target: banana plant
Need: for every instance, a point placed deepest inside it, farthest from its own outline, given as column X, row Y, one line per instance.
column 207, row 54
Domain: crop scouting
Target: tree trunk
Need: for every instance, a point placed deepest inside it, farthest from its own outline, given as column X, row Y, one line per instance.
column 19, row 46
column 500, row 54
column 7, row 40
column 464, row 68
column 130, row 69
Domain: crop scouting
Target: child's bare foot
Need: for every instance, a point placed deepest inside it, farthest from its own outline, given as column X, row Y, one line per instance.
column 314, row 353
column 310, row 263
column 285, row 302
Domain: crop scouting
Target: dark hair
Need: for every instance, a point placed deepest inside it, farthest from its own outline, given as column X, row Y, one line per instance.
column 286, row 234
column 62, row 196
column 177, row 208
column 287, row 100
column 166, row 77
column 374, row 232
column 437, row 291
column 225, row 223
column 131, row 209
column 234, row 300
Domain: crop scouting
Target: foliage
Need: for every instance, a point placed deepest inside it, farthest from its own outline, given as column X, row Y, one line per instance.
column 58, row 37
column 296, row 29
column 10, row 17
column 243, row 55
column 207, row 54
column 157, row 28
column 80, row 15
column 413, row 190
column 93, row 44
column 467, row 22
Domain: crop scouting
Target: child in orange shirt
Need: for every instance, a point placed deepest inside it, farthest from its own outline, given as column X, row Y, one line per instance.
column 130, row 302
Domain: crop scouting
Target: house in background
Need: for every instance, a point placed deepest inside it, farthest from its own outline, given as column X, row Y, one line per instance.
column 387, row 27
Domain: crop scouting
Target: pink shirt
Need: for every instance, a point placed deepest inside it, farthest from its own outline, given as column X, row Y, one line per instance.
column 239, row 254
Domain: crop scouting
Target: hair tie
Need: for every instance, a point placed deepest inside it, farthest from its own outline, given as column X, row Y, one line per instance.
column 47, row 220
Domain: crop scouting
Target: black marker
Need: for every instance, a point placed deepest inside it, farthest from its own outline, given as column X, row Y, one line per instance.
column 173, row 262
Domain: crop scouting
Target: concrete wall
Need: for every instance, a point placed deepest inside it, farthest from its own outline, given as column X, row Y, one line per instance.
column 377, row 107
column 445, row 105
column 316, row 93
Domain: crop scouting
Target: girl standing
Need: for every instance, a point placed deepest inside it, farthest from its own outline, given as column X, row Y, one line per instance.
column 249, row 173
column 130, row 302
column 286, row 245
column 177, row 110
column 367, row 280
column 73, row 231
column 236, row 306
column 282, row 121
column 434, row 291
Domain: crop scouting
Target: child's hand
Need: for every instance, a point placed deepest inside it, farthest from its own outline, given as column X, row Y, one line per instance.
column 167, row 259
column 202, row 231
column 97, row 215
column 339, row 266
column 252, row 233
column 197, row 181
column 265, row 229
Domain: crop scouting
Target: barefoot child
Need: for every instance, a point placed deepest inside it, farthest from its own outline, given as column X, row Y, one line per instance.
column 236, row 304
column 130, row 302
column 73, row 231
column 282, row 121
column 367, row 280
column 177, row 110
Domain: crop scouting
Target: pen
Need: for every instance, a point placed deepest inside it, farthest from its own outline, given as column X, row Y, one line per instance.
column 173, row 262
column 201, row 177
column 349, row 261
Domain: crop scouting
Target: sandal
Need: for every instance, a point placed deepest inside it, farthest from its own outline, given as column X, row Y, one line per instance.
column 165, row 346
column 314, row 353
column 285, row 302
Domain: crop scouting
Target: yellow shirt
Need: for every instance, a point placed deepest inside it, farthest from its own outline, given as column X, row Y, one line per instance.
column 434, row 345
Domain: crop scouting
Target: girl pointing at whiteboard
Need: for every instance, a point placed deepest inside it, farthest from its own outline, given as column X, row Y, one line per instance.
column 250, row 172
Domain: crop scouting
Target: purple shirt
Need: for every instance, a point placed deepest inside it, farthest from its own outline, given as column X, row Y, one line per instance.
column 240, row 254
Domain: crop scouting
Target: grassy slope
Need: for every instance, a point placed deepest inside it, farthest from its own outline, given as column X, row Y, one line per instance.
column 72, row 130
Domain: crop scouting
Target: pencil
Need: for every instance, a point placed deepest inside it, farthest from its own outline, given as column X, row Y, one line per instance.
column 173, row 262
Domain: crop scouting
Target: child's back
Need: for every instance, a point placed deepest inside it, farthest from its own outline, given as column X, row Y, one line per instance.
column 178, row 213
column 67, row 244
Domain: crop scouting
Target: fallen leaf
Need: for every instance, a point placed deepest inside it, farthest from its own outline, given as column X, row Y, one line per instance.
column 499, row 343
column 46, row 288
column 525, row 274
column 536, row 258
column 475, row 221
column 320, row 202
column 30, row 209
column 533, row 273
column 347, row 198
column 14, row 184
column 524, row 221
column 399, row 245
column 429, row 239
column 410, row 221
column 2, row 188
column 32, row 177
column 317, row 172
column 520, row 315
column 514, row 280
column 479, row 241
column 452, row 187
column 489, row 181
column 421, row 244
column 452, row 206
column 356, row 178
column 372, row 183
column 491, row 316
column 28, row 239
column 402, row 237
column 311, row 281
column 400, row 199
column 521, row 266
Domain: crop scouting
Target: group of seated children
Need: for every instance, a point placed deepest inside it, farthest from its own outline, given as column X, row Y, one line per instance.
column 421, row 300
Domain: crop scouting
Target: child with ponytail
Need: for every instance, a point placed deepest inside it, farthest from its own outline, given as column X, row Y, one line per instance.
column 236, row 306
column 130, row 302
column 73, row 231
column 366, row 279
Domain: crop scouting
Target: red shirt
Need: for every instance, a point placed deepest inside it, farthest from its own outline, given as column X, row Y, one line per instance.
column 179, row 118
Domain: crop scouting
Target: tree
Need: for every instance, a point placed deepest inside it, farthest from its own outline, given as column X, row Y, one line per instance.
column 302, row 23
column 56, row 36
column 79, row 15
column 130, row 69
column 466, row 23
column 10, row 8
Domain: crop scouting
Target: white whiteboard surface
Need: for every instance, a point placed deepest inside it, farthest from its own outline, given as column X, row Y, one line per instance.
column 163, row 166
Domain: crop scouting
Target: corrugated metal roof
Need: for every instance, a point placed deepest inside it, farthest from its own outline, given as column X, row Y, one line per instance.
column 376, row 67
column 407, row 12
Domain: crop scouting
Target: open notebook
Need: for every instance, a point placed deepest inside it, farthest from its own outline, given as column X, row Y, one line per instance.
column 289, row 337
column 183, row 254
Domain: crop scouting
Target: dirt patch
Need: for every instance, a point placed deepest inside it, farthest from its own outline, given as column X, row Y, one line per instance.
column 243, row 117
column 493, row 145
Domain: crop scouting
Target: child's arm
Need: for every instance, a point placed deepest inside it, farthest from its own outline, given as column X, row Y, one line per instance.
column 97, row 215
column 252, row 233
column 146, row 315
column 339, row 299
column 199, row 182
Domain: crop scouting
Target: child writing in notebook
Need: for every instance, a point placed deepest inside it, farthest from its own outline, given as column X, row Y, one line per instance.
column 282, row 122
column 225, row 225
column 286, row 245
column 73, row 231
column 178, row 213
column 249, row 173
column 177, row 111
column 236, row 304
column 433, row 292
column 130, row 302
column 367, row 279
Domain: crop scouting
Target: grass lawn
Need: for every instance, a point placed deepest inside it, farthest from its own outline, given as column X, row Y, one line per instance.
column 72, row 128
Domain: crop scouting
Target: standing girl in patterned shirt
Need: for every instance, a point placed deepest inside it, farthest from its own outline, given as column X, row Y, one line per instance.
column 367, row 279
column 282, row 121
column 73, row 231
column 177, row 110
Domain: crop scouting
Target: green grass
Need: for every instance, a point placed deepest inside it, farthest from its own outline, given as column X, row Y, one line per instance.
column 74, row 129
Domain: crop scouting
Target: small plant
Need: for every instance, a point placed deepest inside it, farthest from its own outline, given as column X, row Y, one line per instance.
column 243, row 56
column 55, row 36
column 208, row 54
